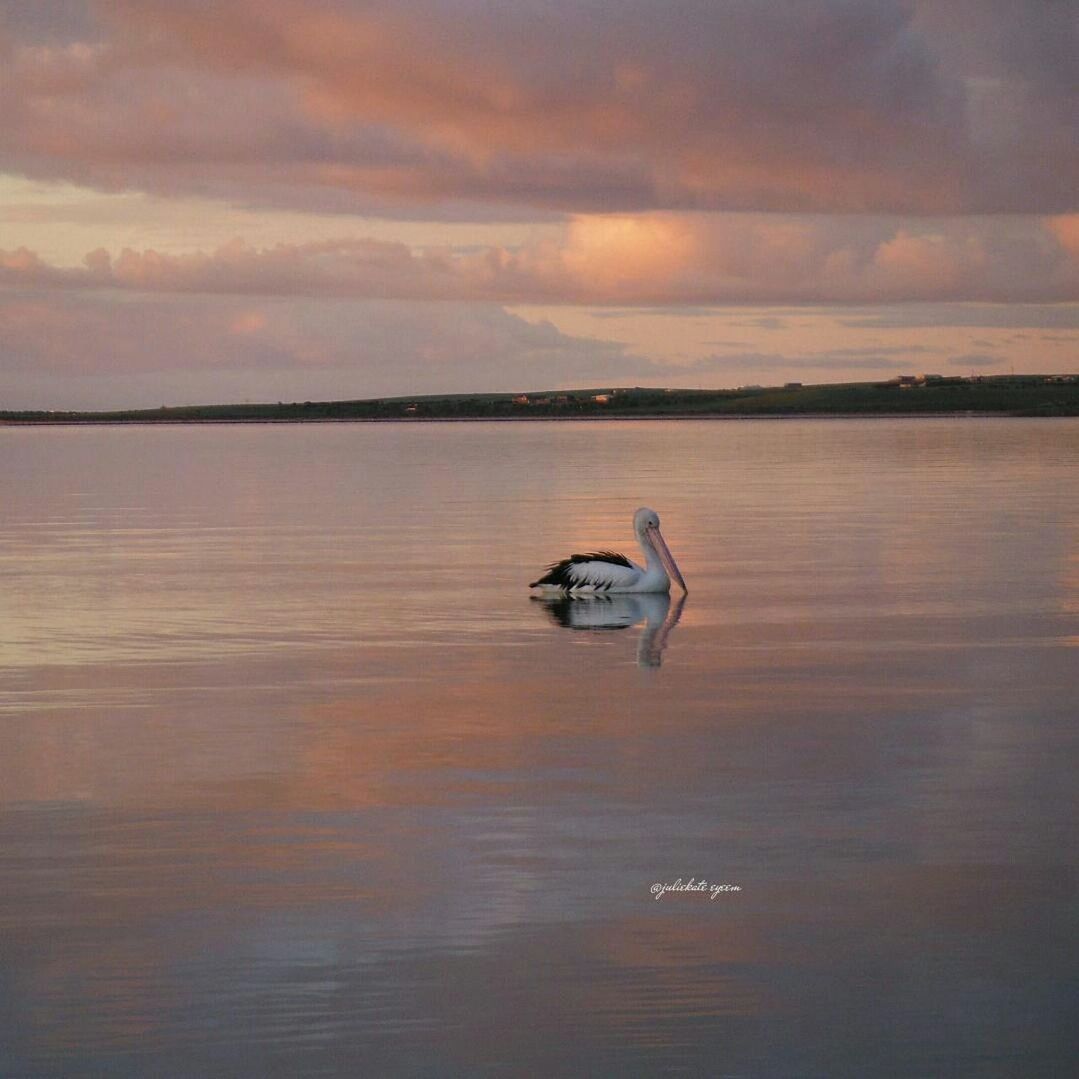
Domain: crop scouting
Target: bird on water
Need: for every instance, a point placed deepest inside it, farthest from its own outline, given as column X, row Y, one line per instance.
column 605, row 571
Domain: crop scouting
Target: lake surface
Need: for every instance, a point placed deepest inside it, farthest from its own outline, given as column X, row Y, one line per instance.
column 297, row 779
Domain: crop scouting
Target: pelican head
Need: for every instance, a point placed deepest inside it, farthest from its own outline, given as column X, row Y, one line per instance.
column 646, row 528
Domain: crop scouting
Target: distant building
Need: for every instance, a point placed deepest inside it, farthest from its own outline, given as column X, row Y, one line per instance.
column 601, row 398
column 521, row 399
column 923, row 379
column 792, row 385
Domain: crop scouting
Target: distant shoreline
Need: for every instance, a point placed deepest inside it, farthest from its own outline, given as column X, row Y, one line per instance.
column 910, row 396
column 623, row 417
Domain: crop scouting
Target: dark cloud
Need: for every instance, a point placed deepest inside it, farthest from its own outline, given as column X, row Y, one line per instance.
column 48, row 22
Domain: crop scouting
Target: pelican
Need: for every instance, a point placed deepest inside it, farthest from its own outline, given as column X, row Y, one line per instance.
column 604, row 571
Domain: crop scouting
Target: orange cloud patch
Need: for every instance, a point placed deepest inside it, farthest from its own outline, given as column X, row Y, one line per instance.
column 1065, row 230
column 616, row 255
column 20, row 261
column 247, row 323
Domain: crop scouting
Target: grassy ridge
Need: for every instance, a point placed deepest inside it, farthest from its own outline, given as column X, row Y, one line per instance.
column 1026, row 395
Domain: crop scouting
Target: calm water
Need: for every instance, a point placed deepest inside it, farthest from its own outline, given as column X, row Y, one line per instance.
column 296, row 779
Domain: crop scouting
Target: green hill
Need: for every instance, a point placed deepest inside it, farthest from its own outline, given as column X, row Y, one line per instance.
column 1014, row 395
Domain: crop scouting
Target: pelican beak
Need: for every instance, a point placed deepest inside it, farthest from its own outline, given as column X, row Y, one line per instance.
column 666, row 557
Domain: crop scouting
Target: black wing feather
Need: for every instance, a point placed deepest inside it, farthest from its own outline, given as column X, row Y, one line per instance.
column 560, row 573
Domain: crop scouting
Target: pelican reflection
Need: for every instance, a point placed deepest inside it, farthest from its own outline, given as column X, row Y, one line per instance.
column 605, row 611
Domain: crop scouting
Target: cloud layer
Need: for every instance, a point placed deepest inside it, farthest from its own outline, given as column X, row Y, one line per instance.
column 89, row 350
column 102, row 348
column 823, row 105
column 638, row 259
column 658, row 158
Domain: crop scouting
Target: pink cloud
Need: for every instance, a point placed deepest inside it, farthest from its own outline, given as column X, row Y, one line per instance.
column 823, row 105
column 98, row 350
column 629, row 259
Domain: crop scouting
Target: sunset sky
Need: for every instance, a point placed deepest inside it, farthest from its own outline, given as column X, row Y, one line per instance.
column 224, row 200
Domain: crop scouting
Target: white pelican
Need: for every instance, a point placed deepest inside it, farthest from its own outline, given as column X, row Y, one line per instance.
column 603, row 571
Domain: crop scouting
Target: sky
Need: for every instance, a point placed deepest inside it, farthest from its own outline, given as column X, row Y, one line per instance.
column 262, row 200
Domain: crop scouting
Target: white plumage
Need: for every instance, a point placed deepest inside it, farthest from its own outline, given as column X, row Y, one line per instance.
column 604, row 571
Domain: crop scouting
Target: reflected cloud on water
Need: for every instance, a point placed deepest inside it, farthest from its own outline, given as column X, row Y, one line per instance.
column 604, row 612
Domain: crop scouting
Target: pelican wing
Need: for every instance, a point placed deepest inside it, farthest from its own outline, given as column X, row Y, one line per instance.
column 599, row 571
